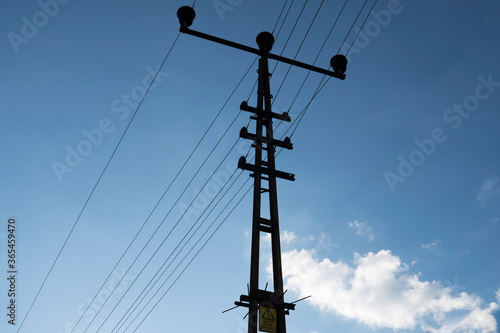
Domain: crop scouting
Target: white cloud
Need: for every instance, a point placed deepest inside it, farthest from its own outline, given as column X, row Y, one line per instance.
column 288, row 236
column 478, row 320
column 362, row 229
column 487, row 191
column 431, row 245
column 378, row 290
column 498, row 295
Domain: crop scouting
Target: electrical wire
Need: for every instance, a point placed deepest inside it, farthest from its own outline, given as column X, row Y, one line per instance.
column 355, row 38
column 282, row 23
column 281, row 13
column 174, row 268
column 170, row 232
column 197, row 253
column 144, row 293
column 186, row 241
column 172, row 182
column 321, row 49
column 318, row 90
column 320, row 87
column 298, row 50
column 163, row 195
column 95, row 186
column 158, row 248
column 204, row 219
column 233, row 121
column 293, row 29
column 352, row 26
column 315, row 60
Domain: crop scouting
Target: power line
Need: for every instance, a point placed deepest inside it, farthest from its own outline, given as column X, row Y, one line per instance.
column 144, row 292
column 156, row 251
column 194, row 257
column 301, row 116
column 277, row 21
column 315, row 60
column 352, row 26
column 202, row 165
column 320, row 50
column 143, row 307
column 181, row 262
column 192, row 248
column 293, row 29
column 298, row 50
column 355, row 38
column 95, row 186
column 204, row 219
column 156, row 282
column 164, row 271
column 282, row 23
column 171, row 230
column 163, row 195
column 170, row 186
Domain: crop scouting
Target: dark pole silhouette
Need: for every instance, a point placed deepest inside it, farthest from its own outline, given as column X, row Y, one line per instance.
column 269, row 305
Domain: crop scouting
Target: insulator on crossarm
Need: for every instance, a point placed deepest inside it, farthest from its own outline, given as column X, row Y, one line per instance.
column 186, row 15
column 339, row 63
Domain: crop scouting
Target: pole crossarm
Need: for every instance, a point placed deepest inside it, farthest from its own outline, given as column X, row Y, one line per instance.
column 195, row 33
column 262, row 296
column 270, row 172
column 287, row 144
column 284, row 116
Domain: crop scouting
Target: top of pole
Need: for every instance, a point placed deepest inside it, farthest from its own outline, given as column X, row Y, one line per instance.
column 265, row 40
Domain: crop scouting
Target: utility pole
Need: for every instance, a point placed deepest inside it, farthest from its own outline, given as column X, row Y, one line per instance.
column 267, row 309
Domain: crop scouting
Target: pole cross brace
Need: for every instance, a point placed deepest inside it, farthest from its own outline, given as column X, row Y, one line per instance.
column 266, row 54
column 284, row 116
column 254, row 168
column 284, row 144
column 267, row 297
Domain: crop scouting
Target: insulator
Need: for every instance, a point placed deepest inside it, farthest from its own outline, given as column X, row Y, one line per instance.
column 186, row 16
column 339, row 63
column 265, row 40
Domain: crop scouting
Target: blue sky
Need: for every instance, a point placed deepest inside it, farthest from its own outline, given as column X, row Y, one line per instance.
column 393, row 220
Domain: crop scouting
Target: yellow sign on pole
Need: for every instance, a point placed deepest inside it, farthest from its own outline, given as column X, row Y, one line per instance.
column 267, row 320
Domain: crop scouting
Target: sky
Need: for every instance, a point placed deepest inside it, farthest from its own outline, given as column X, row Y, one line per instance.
column 392, row 223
